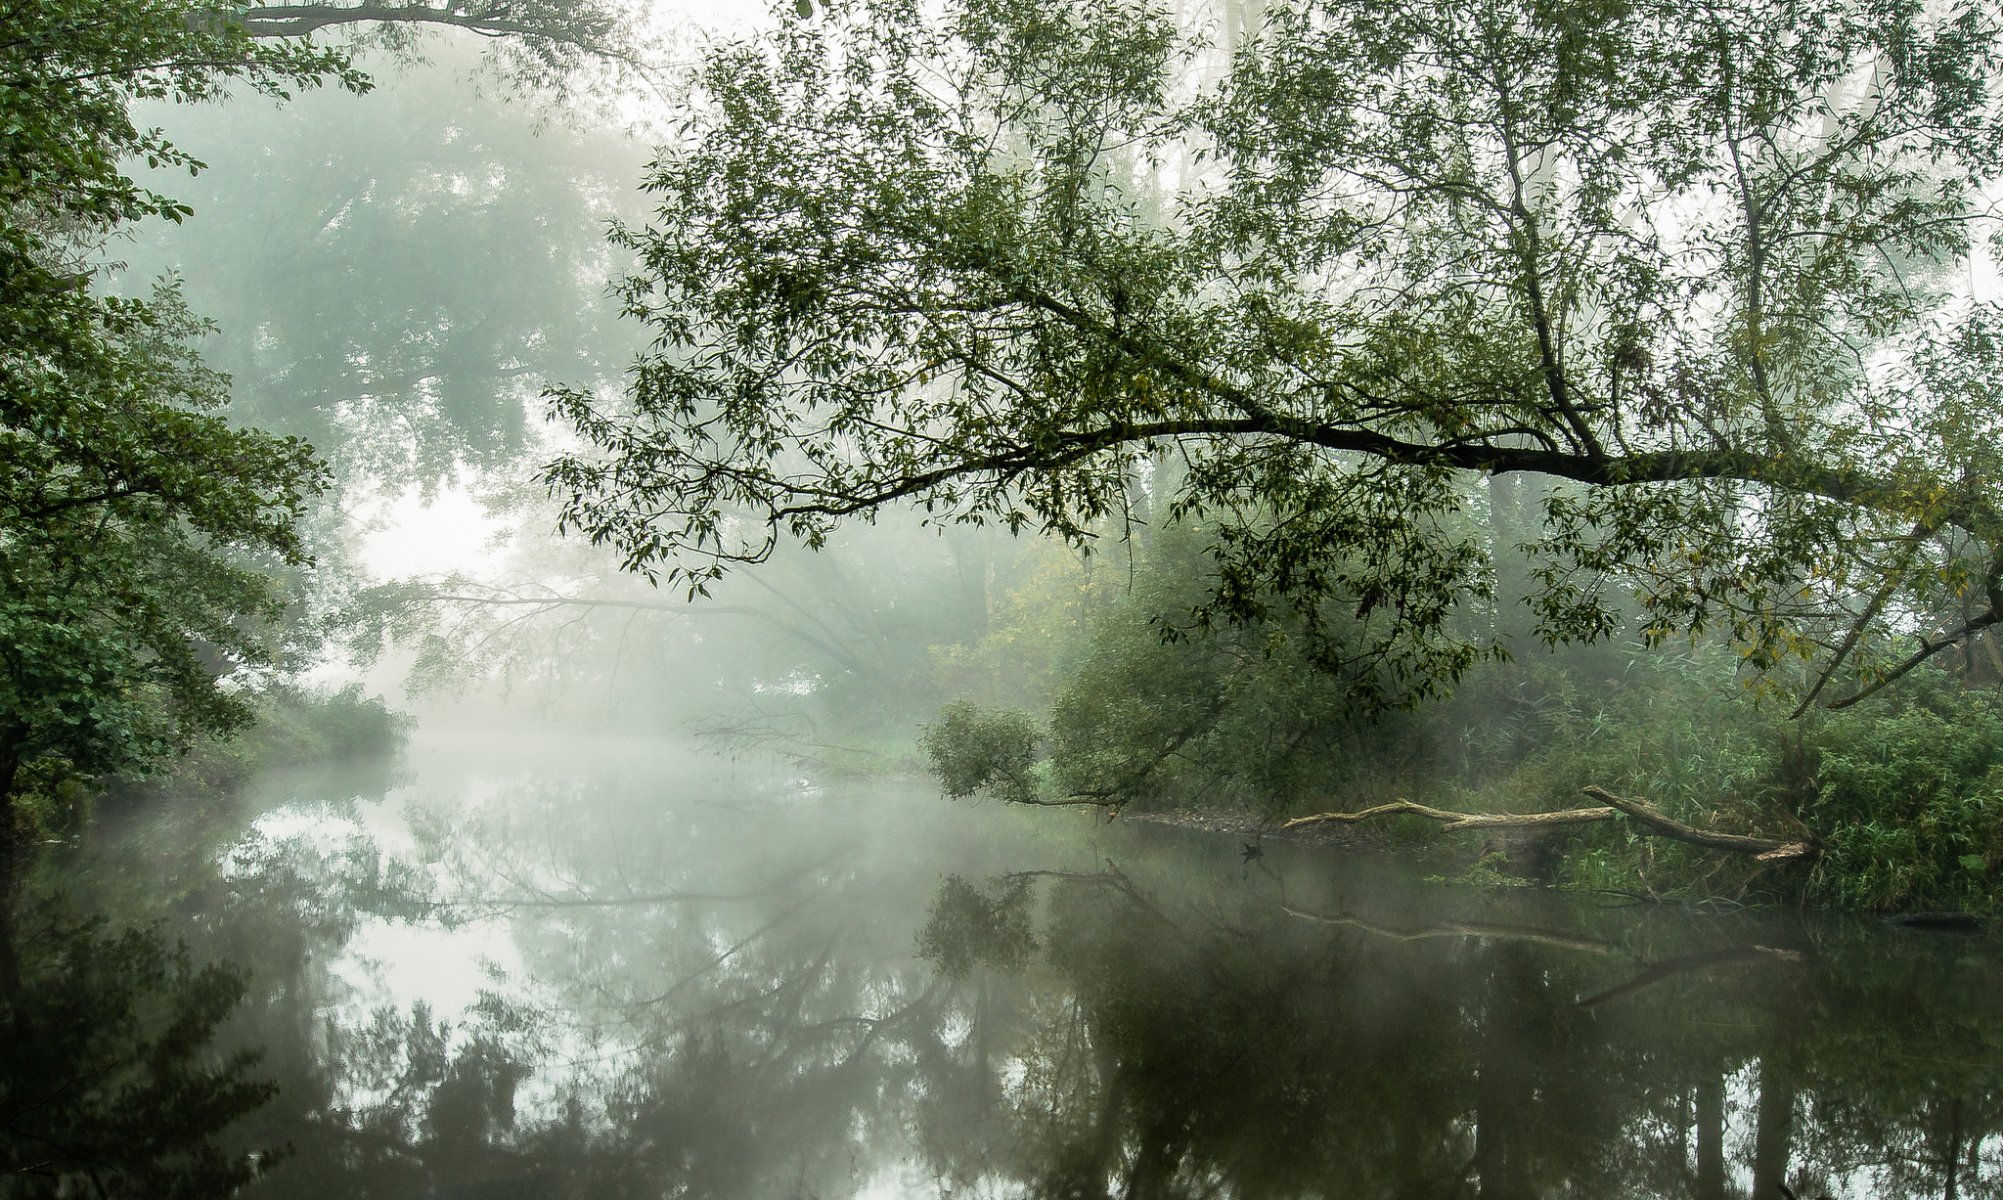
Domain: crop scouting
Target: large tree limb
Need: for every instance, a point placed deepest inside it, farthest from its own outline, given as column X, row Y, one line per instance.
column 1457, row 820
column 1762, row 849
column 1928, row 648
column 1653, row 821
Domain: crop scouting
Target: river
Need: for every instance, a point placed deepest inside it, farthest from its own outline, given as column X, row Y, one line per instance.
column 514, row 969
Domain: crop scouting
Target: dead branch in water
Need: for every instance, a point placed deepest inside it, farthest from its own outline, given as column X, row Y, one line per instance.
column 1457, row 820
column 1762, row 849
column 1651, row 820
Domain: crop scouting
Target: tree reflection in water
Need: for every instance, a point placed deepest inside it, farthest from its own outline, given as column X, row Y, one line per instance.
column 110, row 1084
column 762, row 998
column 1197, row 1058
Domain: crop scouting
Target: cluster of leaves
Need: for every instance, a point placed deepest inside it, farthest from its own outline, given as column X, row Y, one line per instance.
column 972, row 751
column 1902, row 795
column 138, row 527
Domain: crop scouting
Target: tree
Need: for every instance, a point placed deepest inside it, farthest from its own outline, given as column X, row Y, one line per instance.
column 1694, row 265
column 561, row 50
column 136, row 523
column 392, row 282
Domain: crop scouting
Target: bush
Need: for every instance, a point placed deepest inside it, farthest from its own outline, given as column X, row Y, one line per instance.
column 986, row 752
column 299, row 727
column 1909, row 802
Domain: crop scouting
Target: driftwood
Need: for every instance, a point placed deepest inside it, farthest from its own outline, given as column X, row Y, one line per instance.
column 1457, row 820
column 1762, row 849
column 1653, row 821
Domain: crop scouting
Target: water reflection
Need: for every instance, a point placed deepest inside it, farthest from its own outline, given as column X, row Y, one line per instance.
column 110, row 1084
column 661, row 978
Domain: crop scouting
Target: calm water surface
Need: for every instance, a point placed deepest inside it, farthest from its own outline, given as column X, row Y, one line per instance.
column 607, row 970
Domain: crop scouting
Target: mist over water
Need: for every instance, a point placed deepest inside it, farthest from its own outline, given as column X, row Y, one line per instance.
column 551, row 968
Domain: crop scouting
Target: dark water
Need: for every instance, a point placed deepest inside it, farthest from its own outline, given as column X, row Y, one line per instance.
column 608, row 971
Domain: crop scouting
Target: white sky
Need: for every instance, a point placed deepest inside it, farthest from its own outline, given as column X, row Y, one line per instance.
column 412, row 536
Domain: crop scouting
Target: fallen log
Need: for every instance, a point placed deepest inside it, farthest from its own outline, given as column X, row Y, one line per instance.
column 1762, row 849
column 1456, row 820
column 1648, row 817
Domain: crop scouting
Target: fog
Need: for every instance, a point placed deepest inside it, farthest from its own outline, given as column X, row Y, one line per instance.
column 654, row 773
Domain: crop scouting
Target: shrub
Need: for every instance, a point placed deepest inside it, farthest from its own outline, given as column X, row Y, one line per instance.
column 975, row 751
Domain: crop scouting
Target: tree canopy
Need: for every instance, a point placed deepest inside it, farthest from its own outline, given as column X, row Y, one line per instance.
column 557, row 48
column 1701, row 267
column 137, row 525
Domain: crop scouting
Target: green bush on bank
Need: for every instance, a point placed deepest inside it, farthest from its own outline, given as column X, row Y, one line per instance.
column 1905, row 792
column 1909, row 801
column 979, row 752
column 294, row 727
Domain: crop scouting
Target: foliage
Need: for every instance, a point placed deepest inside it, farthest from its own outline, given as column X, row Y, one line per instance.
column 137, row 525
column 69, row 69
column 972, row 751
column 1040, row 613
column 1903, row 796
column 1224, row 717
column 1912, row 800
column 297, row 726
column 421, row 262
column 1688, row 260
column 562, row 50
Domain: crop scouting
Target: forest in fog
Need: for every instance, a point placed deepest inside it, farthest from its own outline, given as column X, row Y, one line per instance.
column 1282, row 411
column 1030, row 598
